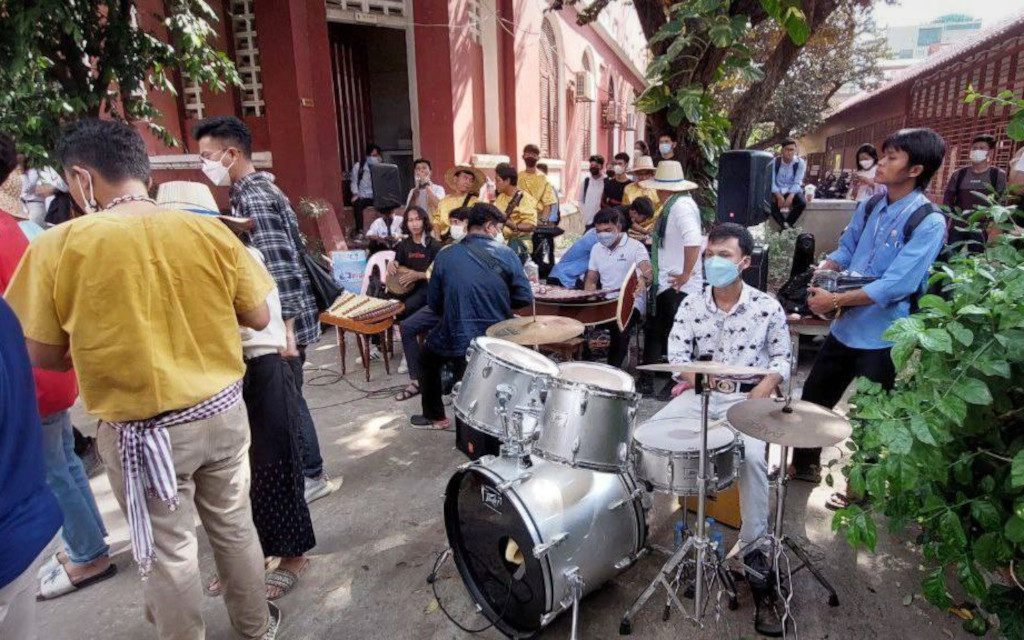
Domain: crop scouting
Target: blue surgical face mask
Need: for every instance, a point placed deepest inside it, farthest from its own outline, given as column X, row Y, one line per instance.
column 607, row 238
column 720, row 272
column 665, row 148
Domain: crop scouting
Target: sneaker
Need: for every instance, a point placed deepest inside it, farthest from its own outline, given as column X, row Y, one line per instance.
column 403, row 366
column 374, row 355
column 321, row 487
column 275, row 622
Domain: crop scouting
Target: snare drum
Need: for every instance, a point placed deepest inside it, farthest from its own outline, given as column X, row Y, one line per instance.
column 499, row 364
column 588, row 416
column 666, row 454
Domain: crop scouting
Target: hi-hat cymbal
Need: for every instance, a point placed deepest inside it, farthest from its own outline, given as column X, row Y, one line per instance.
column 534, row 330
column 804, row 425
column 707, row 367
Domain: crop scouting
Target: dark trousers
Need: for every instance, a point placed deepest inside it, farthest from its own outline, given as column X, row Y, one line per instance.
column 797, row 208
column 618, row 341
column 414, row 301
column 431, row 391
column 543, row 254
column 312, row 462
column 416, row 325
column 660, row 325
column 358, row 206
column 836, row 366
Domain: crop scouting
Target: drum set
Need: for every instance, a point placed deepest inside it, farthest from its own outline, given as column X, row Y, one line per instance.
column 562, row 509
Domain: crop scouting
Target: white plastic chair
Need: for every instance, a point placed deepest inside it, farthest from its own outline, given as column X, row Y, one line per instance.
column 379, row 260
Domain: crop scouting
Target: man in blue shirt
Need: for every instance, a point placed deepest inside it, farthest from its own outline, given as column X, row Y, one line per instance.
column 29, row 515
column 476, row 283
column 572, row 267
column 874, row 246
column 788, row 185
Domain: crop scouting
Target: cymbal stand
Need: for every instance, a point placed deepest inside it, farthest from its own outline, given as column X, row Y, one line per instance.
column 669, row 576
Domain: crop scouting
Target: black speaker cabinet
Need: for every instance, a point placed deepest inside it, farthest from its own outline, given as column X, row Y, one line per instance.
column 756, row 275
column 744, row 187
column 387, row 187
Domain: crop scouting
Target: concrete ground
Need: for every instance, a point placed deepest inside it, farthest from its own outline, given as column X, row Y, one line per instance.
column 380, row 533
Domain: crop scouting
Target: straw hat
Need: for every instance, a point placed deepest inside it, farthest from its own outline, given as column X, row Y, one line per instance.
column 642, row 163
column 669, row 177
column 10, row 196
column 478, row 177
column 186, row 195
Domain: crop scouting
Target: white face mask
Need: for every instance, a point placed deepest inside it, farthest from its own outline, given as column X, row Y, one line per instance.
column 979, row 155
column 457, row 232
column 618, row 169
column 88, row 203
column 216, row 172
column 866, row 164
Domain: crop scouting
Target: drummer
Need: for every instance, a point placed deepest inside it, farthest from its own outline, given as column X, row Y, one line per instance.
column 733, row 323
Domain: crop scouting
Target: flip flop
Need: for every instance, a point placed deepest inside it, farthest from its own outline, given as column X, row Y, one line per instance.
column 406, row 393
column 51, row 563
column 58, row 583
column 284, row 579
column 839, row 500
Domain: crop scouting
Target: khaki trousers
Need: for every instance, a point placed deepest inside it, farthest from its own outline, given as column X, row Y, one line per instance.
column 18, row 608
column 212, row 466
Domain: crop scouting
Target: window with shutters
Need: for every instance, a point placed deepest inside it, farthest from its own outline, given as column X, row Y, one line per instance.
column 247, row 56
column 549, row 70
column 586, row 117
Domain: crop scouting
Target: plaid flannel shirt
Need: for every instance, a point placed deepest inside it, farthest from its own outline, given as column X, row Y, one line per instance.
column 256, row 196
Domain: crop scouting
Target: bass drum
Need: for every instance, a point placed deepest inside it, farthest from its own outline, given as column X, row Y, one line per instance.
column 518, row 543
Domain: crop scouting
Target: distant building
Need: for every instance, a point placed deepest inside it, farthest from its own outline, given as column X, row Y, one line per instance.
column 921, row 41
column 930, row 94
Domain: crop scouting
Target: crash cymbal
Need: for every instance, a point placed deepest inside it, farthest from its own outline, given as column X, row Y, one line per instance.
column 804, row 425
column 534, row 330
column 707, row 368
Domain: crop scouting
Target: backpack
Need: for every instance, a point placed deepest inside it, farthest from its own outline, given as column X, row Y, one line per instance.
column 993, row 177
column 778, row 163
column 909, row 227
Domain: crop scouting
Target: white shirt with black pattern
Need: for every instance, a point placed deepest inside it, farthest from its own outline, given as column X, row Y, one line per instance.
column 753, row 334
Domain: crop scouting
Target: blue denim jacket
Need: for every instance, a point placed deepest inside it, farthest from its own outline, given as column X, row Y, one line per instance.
column 469, row 296
column 876, row 249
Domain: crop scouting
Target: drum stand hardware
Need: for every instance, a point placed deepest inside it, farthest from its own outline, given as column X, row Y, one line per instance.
column 670, row 574
column 572, row 599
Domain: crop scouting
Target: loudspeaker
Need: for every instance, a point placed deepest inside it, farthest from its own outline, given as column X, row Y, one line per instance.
column 744, row 187
column 387, row 187
column 803, row 254
column 756, row 275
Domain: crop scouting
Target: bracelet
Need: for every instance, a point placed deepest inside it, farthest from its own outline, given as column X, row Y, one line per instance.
column 835, row 301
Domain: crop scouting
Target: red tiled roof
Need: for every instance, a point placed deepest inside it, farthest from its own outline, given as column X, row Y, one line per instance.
column 936, row 61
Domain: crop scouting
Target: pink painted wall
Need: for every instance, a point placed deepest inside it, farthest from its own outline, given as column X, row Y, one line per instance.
column 467, row 87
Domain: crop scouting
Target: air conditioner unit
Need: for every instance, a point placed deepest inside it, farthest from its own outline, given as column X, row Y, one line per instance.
column 610, row 113
column 586, row 88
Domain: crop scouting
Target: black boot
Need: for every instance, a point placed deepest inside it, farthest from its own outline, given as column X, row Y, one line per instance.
column 767, row 613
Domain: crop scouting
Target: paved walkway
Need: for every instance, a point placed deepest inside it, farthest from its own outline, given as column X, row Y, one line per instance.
column 378, row 536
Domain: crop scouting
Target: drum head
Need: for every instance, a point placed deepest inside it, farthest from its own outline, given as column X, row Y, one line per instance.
column 516, row 355
column 680, row 435
column 597, row 375
column 493, row 550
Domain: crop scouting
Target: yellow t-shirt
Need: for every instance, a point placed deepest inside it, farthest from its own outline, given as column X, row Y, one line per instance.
column 537, row 185
column 449, row 203
column 524, row 213
column 146, row 304
column 634, row 191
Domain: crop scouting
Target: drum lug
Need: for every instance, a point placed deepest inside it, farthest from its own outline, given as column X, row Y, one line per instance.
column 470, row 464
column 623, row 452
column 583, row 405
column 508, row 484
column 575, row 447
column 486, row 371
column 456, row 388
column 541, row 550
column 630, row 498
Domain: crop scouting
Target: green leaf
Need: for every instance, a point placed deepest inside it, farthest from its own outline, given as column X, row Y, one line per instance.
column 991, row 550
column 1014, row 529
column 1017, row 470
column 937, row 340
column 934, row 588
column 970, row 579
column 919, row 427
column 952, row 407
column 986, row 513
column 976, row 626
column 1015, row 128
column 973, row 391
column 902, row 350
column 973, row 310
column 952, row 529
column 932, row 301
column 962, row 334
column 855, row 481
column 721, row 35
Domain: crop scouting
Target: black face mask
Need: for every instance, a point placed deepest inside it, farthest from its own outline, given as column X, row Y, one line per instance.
column 595, row 171
column 530, row 162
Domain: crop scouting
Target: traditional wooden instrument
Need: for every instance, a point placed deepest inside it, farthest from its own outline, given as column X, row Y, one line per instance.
column 394, row 283
column 366, row 309
column 589, row 307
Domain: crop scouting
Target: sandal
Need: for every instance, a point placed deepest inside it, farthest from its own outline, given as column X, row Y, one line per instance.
column 411, row 391
column 838, row 501
column 426, row 424
column 57, row 582
column 284, row 579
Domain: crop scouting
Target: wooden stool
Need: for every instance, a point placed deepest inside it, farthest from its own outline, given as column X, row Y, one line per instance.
column 382, row 327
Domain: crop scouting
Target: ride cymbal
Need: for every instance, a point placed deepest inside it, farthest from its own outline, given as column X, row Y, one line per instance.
column 534, row 330
column 707, row 367
column 801, row 424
